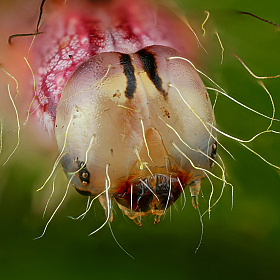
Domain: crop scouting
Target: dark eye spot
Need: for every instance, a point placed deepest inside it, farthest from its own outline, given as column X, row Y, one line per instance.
column 213, row 153
column 84, row 175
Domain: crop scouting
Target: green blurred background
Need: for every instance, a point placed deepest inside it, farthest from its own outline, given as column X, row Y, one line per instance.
column 242, row 243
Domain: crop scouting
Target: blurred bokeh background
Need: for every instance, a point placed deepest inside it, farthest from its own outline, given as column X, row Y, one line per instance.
column 242, row 243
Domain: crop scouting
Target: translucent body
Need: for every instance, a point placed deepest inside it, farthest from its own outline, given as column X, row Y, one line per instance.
column 130, row 123
column 128, row 132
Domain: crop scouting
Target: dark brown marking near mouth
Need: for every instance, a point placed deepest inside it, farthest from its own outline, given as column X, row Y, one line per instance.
column 125, row 61
column 138, row 195
column 150, row 67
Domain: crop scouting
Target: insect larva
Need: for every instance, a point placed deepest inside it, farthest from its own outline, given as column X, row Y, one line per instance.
column 109, row 81
column 132, row 119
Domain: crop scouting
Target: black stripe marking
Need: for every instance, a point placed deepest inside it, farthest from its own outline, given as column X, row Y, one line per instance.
column 150, row 67
column 129, row 73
